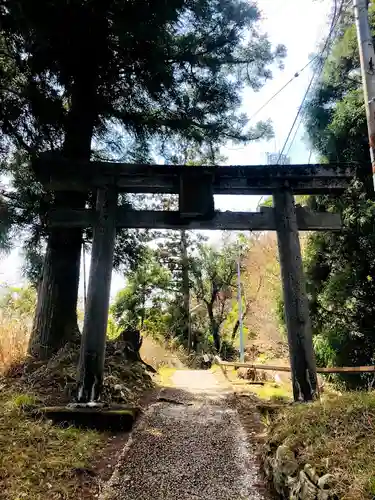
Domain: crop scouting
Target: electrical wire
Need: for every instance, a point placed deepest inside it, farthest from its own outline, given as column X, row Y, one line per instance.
column 296, row 75
column 295, row 135
column 317, row 72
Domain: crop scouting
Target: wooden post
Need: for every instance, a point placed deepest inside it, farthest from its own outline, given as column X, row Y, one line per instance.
column 302, row 358
column 91, row 365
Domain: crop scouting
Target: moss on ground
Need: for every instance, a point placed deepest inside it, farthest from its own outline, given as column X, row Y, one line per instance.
column 39, row 460
column 272, row 392
column 336, row 435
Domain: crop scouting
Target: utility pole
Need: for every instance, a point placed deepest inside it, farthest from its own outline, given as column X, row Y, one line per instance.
column 84, row 275
column 239, row 298
column 367, row 58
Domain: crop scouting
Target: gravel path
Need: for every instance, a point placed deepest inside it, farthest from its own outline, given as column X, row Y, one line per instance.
column 191, row 446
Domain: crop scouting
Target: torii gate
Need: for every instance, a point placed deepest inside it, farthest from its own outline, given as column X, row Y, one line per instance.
column 196, row 187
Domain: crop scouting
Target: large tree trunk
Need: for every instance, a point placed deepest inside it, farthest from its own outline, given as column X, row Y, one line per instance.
column 55, row 321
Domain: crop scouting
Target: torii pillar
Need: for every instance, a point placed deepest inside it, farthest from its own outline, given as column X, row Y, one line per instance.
column 92, row 356
column 302, row 358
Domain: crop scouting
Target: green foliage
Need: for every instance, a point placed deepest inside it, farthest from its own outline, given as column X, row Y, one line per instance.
column 340, row 267
column 113, row 330
column 280, row 314
column 213, row 273
column 158, row 323
column 153, row 296
column 157, row 74
column 267, row 202
column 19, row 302
column 146, row 285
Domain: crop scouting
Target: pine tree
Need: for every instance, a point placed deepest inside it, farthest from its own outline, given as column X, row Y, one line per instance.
column 159, row 71
column 175, row 251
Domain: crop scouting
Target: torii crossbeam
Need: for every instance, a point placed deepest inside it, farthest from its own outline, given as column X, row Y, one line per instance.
column 196, row 187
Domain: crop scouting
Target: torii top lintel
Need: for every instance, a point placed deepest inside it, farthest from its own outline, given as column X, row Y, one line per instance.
column 60, row 174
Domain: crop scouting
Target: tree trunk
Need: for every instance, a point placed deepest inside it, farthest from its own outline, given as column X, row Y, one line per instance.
column 133, row 343
column 237, row 323
column 143, row 308
column 214, row 327
column 55, row 321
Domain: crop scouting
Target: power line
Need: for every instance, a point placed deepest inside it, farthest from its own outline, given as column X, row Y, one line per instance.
column 296, row 75
column 295, row 135
column 295, row 120
column 318, row 69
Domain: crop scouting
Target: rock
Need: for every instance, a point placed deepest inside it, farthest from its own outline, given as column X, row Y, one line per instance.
column 246, row 373
column 311, row 473
column 284, row 466
column 326, row 482
column 323, row 495
column 294, row 491
column 286, row 461
column 290, row 482
column 268, row 467
column 308, row 490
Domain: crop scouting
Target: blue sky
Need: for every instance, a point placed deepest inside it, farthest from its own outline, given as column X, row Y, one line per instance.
column 300, row 25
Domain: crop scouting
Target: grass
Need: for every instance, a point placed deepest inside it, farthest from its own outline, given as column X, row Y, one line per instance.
column 14, row 338
column 39, row 460
column 272, row 392
column 337, row 436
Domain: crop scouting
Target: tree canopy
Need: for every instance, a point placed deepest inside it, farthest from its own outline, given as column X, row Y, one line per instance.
column 340, row 267
column 116, row 80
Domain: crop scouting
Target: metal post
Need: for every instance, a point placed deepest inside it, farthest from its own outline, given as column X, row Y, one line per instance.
column 239, row 298
column 84, row 276
column 367, row 58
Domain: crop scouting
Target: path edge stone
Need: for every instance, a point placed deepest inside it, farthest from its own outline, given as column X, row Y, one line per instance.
column 293, row 482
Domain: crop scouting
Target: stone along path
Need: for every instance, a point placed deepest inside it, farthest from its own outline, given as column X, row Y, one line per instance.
column 189, row 446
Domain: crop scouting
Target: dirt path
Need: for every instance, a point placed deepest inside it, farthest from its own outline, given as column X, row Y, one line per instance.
column 189, row 445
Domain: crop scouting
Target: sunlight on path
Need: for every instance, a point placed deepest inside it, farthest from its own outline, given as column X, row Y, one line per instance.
column 189, row 446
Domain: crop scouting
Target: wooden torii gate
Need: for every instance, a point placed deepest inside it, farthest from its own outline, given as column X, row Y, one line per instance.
column 196, row 187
